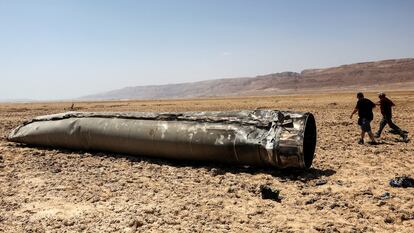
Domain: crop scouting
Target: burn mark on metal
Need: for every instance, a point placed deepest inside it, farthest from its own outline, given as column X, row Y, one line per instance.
column 259, row 138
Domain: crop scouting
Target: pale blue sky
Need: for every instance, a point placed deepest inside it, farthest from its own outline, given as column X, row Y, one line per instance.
column 66, row 49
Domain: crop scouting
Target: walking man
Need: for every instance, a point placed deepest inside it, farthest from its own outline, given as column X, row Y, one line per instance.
column 386, row 111
column 364, row 108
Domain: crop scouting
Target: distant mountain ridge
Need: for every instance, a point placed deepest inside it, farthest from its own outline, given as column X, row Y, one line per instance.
column 380, row 75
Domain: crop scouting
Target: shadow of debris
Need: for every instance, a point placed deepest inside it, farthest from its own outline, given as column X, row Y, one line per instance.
column 288, row 174
column 304, row 175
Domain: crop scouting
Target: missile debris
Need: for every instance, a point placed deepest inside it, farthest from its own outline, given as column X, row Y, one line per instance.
column 258, row 138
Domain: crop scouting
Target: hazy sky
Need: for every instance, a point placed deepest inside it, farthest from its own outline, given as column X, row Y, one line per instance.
column 66, row 49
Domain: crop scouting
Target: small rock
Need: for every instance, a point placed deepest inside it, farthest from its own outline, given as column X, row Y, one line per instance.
column 136, row 223
column 319, row 228
column 381, row 203
column 388, row 220
column 333, row 205
column 94, row 199
column 131, row 223
column 321, row 182
column 149, row 210
column 407, row 216
column 339, row 182
column 367, row 192
column 269, row 193
column 385, row 196
column 319, row 207
column 311, row 201
column 231, row 189
column 68, row 222
column 56, row 170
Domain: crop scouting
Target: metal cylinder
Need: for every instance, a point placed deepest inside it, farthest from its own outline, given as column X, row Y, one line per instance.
column 258, row 138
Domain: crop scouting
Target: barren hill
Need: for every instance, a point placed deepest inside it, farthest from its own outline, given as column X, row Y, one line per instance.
column 380, row 75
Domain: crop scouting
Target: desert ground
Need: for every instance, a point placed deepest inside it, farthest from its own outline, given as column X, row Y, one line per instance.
column 53, row 190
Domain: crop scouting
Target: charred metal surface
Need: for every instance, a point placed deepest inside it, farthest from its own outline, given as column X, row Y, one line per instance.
column 260, row 137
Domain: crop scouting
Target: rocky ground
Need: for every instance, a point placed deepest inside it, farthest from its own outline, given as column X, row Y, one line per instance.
column 51, row 190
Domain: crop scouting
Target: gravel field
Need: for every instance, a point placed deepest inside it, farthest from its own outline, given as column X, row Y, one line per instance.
column 52, row 190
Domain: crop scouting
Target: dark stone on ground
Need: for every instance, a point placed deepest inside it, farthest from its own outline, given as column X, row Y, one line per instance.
column 269, row 193
column 385, row 196
column 402, row 181
column 321, row 182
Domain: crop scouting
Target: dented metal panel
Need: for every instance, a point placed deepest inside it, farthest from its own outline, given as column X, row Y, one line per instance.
column 260, row 137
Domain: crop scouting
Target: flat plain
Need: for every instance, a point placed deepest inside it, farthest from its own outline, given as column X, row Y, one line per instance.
column 53, row 190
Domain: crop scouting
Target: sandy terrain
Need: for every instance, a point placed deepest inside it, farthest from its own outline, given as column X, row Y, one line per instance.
column 47, row 190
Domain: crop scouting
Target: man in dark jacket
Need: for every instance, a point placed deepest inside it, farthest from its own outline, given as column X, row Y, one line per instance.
column 364, row 108
column 386, row 111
